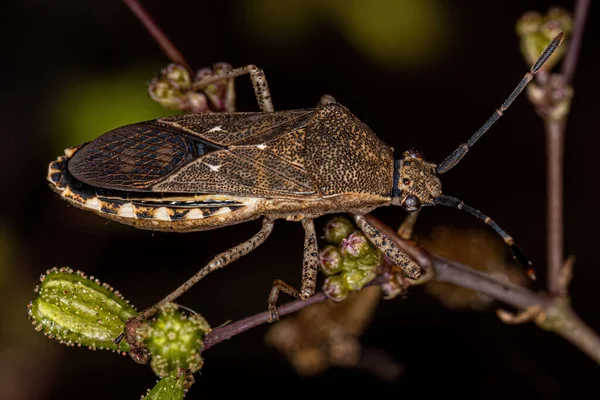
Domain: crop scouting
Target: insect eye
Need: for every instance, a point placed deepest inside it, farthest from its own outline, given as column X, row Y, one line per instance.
column 411, row 203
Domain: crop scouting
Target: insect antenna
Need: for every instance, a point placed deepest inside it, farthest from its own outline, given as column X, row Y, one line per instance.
column 161, row 38
column 455, row 157
column 518, row 254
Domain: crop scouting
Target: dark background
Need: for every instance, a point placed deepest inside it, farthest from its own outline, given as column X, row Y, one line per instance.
column 432, row 100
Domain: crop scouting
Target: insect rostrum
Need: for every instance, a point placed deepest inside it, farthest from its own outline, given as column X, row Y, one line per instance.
column 197, row 172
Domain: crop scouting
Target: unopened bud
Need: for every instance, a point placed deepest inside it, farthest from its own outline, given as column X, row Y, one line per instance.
column 170, row 387
column 335, row 288
column 76, row 310
column 337, row 229
column 177, row 75
column 355, row 280
column 355, row 246
column 330, row 260
column 174, row 340
column 537, row 31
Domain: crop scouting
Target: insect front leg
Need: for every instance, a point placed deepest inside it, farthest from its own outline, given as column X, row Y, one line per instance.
column 389, row 248
column 309, row 272
column 259, row 82
column 220, row 261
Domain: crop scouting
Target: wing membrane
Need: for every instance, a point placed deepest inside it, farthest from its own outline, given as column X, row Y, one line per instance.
column 236, row 154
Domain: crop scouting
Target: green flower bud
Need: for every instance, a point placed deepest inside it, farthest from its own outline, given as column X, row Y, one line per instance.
column 164, row 94
column 76, row 310
column 171, row 387
column 529, row 23
column 177, row 75
column 371, row 260
column 335, row 288
column 355, row 280
column 174, row 340
column 537, row 31
column 355, row 246
column 337, row 229
column 330, row 260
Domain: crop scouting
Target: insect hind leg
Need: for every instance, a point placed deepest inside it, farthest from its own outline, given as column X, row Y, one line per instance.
column 220, row 261
column 259, row 83
column 309, row 272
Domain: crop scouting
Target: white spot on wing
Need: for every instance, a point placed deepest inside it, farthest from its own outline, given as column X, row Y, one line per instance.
column 261, row 146
column 162, row 214
column 213, row 168
column 215, row 129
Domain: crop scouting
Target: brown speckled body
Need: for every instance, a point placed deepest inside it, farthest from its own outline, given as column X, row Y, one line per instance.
column 211, row 170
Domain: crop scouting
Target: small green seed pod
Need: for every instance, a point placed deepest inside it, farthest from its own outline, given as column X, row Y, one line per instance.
column 171, row 387
column 337, row 229
column 174, row 340
column 77, row 310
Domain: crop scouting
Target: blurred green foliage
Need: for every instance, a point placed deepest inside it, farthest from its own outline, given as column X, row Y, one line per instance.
column 88, row 106
column 389, row 32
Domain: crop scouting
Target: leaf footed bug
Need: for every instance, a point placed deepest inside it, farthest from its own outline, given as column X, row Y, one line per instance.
column 196, row 172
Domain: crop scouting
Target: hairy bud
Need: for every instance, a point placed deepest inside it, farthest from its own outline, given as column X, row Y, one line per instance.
column 174, row 340
column 77, row 310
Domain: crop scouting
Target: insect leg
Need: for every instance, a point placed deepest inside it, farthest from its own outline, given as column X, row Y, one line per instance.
column 259, row 82
column 405, row 231
column 220, row 261
column 389, row 248
column 309, row 272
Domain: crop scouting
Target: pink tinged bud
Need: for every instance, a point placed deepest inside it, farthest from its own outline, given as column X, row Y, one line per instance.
column 337, row 229
column 355, row 246
column 335, row 288
column 330, row 260
column 178, row 76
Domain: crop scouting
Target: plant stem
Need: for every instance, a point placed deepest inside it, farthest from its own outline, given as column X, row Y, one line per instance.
column 161, row 38
column 555, row 139
column 555, row 145
column 558, row 316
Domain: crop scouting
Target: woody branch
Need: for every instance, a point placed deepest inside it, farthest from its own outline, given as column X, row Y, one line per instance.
column 554, row 313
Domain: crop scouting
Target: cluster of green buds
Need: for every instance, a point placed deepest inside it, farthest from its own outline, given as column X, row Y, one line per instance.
column 349, row 261
column 536, row 31
column 78, row 310
column 175, row 89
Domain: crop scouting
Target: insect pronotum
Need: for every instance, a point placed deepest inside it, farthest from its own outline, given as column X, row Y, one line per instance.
column 196, row 172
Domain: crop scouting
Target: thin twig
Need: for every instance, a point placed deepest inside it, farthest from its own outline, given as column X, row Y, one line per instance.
column 570, row 61
column 558, row 316
column 161, row 38
column 555, row 140
column 555, row 144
